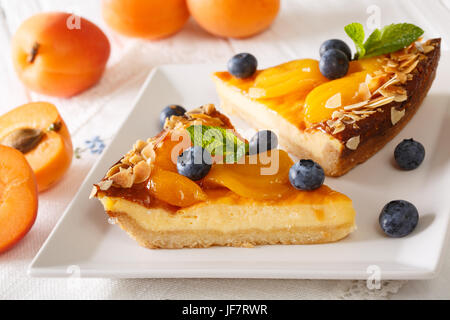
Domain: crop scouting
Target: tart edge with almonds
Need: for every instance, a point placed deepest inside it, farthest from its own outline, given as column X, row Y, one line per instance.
column 338, row 150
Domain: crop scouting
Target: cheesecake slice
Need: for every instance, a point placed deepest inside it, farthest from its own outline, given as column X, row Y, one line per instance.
column 338, row 123
column 235, row 204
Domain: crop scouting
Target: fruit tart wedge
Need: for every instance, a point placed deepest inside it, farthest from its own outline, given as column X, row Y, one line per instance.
column 338, row 123
column 233, row 198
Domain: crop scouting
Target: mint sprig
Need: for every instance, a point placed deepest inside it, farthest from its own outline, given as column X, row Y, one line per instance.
column 389, row 39
column 218, row 141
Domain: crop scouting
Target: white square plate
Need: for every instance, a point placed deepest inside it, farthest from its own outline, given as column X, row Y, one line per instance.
column 84, row 239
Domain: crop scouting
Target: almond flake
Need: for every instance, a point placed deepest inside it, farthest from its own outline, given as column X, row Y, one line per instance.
column 334, row 102
column 330, row 123
column 408, row 62
column 141, row 171
column 105, row 184
column 427, row 49
column 337, row 115
column 380, row 102
column 356, row 105
column 93, row 192
column 396, row 115
column 400, row 97
column 364, row 91
column 123, row 178
column 353, row 143
column 149, row 153
column 339, row 126
column 139, row 145
column 411, row 67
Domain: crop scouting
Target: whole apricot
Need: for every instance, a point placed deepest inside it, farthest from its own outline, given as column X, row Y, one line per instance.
column 150, row 19
column 234, row 18
column 59, row 54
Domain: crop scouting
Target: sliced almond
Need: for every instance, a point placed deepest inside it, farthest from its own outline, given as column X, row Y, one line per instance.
column 396, row 115
column 135, row 159
column 411, row 67
column 356, row 105
column 427, row 49
column 400, row 97
column 113, row 170
column 380, row 102
column 93, row 192
column 334, row 102
column 353, row 143
column 209, row 108
column 149, row 153
column 141, row 171
column 123, row 178
column 139, row 145
column 364, row 91
column 408, row 62
column 338, row 127
column 105, row 184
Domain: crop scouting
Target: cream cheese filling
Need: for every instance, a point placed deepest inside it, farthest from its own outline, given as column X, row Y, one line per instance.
column 236, row 217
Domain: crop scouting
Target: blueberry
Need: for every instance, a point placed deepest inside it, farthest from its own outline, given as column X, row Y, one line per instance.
column 333, row 64
column 336, row 44
column 398, row 218
column 194, row 163
column 409, row 154
column 262, row 141
column 171, row 110
column 306, row 175
column 242, row 65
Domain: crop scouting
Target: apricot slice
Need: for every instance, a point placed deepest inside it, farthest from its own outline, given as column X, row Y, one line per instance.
column 51, row 156
column 294, row 76
column 174, row 188
column 322, row 101
column 250, row 179
column 18, row 197
column 59, row 54
column 168, row 151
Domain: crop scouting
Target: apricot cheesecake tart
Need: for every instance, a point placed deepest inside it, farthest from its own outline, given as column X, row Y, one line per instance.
column 228, row 203
column 338, row 123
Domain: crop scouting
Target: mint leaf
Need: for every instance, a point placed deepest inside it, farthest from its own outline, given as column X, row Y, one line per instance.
column 355, row 31
column 218, row 141
column 392, row 38
column 389, row 39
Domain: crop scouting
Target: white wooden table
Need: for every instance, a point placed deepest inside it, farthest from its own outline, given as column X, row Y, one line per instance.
column 93, row 116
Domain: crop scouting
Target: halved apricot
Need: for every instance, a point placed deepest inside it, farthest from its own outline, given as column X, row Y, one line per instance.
column 50, row 154
column 174, row 188
column 18, row 197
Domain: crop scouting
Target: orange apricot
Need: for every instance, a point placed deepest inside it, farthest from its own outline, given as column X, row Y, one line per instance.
column 234, row 18
column 150, row 19
column 174, row 188
column 18, row 197
column 59, row 54
column 40, row 133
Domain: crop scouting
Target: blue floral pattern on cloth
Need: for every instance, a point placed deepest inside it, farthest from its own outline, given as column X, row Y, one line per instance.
column 94, row 146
